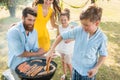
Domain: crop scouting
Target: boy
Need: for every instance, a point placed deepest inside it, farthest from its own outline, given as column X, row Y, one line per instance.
column 90, row 42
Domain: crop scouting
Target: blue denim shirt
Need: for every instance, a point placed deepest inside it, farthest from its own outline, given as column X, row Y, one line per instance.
column 18, row 42
column 86, row 50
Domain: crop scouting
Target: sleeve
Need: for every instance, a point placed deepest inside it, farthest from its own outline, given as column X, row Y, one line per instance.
column 74, row 24
column 14, row 43
column 103, row 48
column 35, row 48
column 70, row 34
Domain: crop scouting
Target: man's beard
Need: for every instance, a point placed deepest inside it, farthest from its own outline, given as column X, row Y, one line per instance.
column 28, row 27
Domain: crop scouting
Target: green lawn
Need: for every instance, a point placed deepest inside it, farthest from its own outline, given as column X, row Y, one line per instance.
column 110, row 24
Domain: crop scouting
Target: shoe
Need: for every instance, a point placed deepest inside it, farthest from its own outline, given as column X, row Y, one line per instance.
column 63, row 77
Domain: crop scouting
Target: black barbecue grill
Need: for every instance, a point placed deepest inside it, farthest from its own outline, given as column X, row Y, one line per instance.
column 31, row 66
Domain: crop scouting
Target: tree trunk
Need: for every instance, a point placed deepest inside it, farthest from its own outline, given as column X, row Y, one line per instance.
column 12, row 7
column 12, row 10
column 92, row 1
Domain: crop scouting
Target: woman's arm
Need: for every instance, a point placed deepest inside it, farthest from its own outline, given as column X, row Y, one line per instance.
column 35, row 8
column 52, row 20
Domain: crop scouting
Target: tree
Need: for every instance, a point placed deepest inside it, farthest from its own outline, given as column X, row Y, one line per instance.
column 11, row 5
column 93, row 1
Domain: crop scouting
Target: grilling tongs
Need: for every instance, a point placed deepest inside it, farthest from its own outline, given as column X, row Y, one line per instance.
column 48, row 64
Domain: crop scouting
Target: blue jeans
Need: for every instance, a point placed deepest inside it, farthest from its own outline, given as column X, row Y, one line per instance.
column 77, row 76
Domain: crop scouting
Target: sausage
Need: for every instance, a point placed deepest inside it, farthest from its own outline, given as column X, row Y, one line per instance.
column 31, row 69
column 26, row 68
column 45, row 72
column 21, row 66
column 42, row 73
column 36, row 61
column 37, row 71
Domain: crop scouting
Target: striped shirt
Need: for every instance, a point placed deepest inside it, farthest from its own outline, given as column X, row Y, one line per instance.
column 18, row 42
column 86, row 49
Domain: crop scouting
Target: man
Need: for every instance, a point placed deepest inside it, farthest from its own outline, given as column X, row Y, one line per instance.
column 22, row 40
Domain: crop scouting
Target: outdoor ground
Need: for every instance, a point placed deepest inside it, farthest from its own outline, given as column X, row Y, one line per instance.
column 110, row 25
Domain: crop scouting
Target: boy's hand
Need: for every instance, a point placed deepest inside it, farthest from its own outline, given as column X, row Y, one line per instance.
column 92, row 72
column 67, row 41
column 49, row 56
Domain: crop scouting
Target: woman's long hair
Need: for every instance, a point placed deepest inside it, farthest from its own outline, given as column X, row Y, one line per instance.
column 56, row 6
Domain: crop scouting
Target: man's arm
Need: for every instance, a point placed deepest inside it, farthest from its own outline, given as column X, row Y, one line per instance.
column 16, row 47
column 93, row 71
column 32, row 54
column 103, row 54
column 36, row 52
column 14, row 42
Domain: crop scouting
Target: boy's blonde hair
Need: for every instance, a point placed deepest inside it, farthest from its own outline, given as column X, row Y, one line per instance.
column 93, row 13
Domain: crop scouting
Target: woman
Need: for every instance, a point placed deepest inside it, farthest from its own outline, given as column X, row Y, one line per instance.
column 44, row 14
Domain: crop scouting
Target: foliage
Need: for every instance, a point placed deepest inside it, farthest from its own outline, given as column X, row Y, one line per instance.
column 13, row 2
column 62, row 3
column 11, row 5
column 75, row 6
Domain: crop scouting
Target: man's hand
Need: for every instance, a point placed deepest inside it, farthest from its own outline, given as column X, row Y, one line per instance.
column 41, row 51
column 32, row 54
column 92, row 72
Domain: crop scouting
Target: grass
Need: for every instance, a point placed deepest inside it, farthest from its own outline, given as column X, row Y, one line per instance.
column 110, row 25
column 4, row 25
column 111, row 68
column 8, row 20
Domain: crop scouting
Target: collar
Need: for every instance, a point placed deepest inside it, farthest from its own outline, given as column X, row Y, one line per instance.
column 22, row 29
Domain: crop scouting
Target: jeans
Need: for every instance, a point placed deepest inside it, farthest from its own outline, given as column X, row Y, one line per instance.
column 77, row 76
